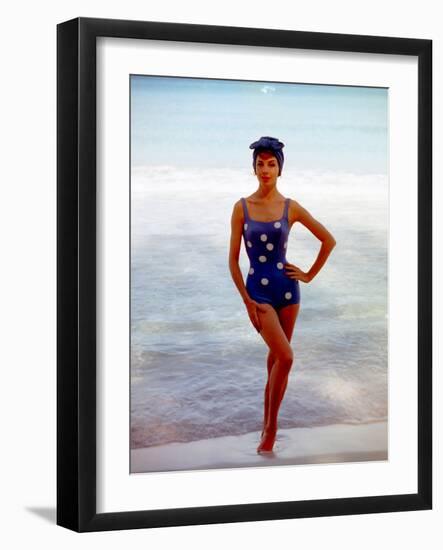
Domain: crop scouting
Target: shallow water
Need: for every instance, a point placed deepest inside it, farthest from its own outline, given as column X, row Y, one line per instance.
column 198, row 367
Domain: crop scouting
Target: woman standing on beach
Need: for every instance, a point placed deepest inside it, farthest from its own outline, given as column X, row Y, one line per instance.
column 272, row 294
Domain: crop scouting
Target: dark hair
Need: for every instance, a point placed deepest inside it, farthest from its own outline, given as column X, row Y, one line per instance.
column 271, row 145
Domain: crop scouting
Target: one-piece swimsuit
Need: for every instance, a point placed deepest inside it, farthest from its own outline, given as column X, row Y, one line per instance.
column 266, row 244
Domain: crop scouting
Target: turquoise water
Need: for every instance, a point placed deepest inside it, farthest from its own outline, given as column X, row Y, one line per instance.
column 198, row 367
column 210, row 123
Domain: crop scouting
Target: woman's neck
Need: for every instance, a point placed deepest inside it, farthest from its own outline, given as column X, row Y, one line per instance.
column 268, row 194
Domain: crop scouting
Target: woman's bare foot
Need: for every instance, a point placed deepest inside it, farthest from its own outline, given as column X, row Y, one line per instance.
column 267, row 441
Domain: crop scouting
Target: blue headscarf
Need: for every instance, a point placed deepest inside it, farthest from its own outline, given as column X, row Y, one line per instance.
column 267, row 143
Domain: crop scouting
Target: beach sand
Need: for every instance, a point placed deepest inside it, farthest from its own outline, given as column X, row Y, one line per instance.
column 319, row 445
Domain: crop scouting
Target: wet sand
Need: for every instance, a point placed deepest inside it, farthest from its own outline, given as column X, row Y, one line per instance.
column 319, row 445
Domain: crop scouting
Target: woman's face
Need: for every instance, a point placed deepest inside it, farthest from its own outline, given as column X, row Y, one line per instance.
column 266, row 168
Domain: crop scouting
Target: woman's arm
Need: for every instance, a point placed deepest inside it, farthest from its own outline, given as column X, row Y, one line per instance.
column 252, row 306
column 234, row 250
column 317, row 229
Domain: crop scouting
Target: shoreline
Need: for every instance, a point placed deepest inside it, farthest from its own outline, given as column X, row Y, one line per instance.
column 332, row 444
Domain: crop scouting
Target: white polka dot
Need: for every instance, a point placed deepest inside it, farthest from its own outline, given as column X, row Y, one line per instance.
column 288, row 295
column 285, row 245
column 249, row 244
column 277, row 224
column 251, row 271
column 280, row 265
column 245, row 226
column 263, row 237
column 262, row 258
column 264, row 281
column 269, row 246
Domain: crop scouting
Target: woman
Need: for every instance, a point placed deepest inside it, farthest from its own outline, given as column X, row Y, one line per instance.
column 272, row 293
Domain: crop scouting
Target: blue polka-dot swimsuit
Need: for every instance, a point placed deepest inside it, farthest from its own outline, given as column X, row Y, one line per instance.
column 266, row 244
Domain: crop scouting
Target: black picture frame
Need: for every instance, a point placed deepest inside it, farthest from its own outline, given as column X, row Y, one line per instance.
column 76, row 274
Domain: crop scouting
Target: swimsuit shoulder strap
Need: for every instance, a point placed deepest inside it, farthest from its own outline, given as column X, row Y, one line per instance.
column 245, row 209
column 285, row 214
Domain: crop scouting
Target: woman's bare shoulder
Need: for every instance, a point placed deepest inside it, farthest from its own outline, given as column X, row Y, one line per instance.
column 237, row 210
column 237, row 205
column 294, row 204
column 296, row 211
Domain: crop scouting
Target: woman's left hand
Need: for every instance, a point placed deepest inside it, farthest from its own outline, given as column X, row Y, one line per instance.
column 294, row 272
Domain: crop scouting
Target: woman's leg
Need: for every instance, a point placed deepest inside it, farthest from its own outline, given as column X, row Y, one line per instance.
column 278, row 343
column 269, row 364
column 287, row 317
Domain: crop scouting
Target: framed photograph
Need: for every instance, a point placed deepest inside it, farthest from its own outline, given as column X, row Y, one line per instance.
column 244, row 274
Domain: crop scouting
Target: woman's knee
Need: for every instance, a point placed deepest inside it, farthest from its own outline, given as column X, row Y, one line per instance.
column 286, row 358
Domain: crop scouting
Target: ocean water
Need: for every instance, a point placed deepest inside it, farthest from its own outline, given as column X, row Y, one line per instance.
column 212, row 121
column 198, row 367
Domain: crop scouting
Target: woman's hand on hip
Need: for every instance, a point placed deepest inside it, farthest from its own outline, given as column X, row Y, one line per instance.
column 253, row 307
column 294, row 272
